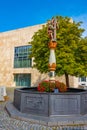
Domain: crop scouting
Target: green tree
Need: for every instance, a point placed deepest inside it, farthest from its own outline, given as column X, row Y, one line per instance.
column 68, row 38
column 81, row 56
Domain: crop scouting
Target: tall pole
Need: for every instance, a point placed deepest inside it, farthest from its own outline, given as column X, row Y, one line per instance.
column 52, row 27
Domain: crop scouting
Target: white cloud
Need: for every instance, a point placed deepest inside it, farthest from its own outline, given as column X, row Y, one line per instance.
column 82, row 18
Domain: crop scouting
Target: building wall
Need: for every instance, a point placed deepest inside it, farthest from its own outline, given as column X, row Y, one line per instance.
column 15, row 38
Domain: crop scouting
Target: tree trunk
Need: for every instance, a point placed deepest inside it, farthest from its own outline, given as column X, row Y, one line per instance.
column 67, row 80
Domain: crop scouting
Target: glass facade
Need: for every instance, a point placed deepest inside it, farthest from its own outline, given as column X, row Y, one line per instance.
column 21, row 57
column 23, row 80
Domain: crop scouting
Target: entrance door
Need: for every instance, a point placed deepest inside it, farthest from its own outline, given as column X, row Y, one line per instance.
column 23, row 80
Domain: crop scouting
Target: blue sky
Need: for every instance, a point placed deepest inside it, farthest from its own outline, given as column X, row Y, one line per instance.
column 15, row 14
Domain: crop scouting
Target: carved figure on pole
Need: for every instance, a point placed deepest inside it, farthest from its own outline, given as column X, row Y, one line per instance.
column 52, row 26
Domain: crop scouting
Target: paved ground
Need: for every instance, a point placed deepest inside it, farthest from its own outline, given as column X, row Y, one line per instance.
column 8, row 123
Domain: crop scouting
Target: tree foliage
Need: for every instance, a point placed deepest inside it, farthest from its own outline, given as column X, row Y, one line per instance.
column 81, row 56
column 68, row 38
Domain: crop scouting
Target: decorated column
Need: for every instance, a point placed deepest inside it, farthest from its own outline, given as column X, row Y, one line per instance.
column 52, row 26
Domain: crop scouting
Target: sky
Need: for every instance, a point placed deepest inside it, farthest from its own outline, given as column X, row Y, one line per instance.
column 16, row 14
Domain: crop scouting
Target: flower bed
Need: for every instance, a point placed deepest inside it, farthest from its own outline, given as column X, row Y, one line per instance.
column 49, row 86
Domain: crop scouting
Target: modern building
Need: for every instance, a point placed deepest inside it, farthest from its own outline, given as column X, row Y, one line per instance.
column 16, row 66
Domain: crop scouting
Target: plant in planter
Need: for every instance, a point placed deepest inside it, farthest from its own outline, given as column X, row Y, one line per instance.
column 61, row 86
column 47, row 86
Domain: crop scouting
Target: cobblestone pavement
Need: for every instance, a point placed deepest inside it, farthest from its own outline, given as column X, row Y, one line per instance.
column 8, row 123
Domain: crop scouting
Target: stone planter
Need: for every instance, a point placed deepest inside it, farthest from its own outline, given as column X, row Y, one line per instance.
column 72, row 102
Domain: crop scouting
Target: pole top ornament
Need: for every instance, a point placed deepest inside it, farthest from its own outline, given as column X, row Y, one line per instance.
column 52, row 27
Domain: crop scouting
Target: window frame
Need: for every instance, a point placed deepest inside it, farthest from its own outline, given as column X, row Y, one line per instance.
column 21, row 57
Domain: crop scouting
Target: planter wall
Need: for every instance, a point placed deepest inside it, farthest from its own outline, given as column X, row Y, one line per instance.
column 50, row 104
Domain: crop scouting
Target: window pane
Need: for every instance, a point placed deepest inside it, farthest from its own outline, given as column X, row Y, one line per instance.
column 21, row 57
column 22, row 80
column 83, row 79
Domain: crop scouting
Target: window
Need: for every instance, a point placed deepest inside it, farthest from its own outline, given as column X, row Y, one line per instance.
column 23, row 80
column 21, row 57
column 83, row 79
